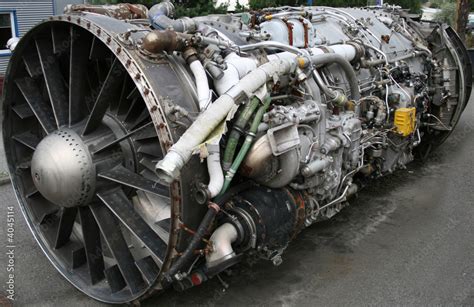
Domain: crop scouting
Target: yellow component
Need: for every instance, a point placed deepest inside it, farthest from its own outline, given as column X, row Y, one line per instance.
column 301, row 62
column 404, row 121
column 269, row 17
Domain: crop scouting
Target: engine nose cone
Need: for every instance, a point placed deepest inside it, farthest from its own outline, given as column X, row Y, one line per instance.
column 62, row 169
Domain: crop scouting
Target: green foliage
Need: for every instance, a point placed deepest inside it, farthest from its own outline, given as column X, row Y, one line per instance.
column 448, row 11
column 205, row 7
column 437, row 4
column 239, row 7
column 413, row 5
column 199, row 8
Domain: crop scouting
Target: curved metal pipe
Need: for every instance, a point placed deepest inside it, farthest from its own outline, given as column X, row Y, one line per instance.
column 214, row 167
column 160, row 18
column 221, row 241
column 276, row 45
column 216, row 176
column 333, row 58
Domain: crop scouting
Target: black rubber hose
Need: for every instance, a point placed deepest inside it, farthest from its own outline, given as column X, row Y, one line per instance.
column 188, row 253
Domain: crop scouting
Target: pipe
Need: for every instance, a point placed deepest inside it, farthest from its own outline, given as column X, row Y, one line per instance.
column 202, row 230
column 160, row 14
column 349, row 52
column 180, row 153
column 332, row 58
column 315, row 167
column 275, row 45
column 237, row 68
column 238, row 130
column 371, row 63
column 216, row 175
column 202, row 84
column 193, row 245
column 221, row 241
column 334, row 96
column 214, row 168
column 247, row 144
column 158, row 41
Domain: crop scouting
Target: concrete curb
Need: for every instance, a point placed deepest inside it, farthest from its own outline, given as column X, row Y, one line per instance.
column 4, row 178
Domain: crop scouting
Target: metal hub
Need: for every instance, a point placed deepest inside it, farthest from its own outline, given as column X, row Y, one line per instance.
column 62, row 169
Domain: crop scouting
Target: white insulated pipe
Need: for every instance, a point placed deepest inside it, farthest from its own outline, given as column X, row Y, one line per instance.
column 168, row 169
column 214, row 167
column 202, row 84
column 237, row 68
column 349, row 52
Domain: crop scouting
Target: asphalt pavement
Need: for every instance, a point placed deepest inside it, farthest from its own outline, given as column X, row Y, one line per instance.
column 408, row 239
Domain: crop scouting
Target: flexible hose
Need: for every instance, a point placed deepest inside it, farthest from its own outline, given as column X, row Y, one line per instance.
column 237, row 131
column 247, row 144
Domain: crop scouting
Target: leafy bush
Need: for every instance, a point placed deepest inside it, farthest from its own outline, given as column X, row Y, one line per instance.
column 447, row 13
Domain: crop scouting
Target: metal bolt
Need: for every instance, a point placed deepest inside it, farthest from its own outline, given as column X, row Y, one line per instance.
column 277, row 260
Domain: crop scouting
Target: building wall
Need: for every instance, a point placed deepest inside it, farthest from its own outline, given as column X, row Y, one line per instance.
column 29, row 13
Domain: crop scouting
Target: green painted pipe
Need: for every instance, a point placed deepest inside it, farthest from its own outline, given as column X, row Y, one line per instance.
column 246, row 146
column 236, row 132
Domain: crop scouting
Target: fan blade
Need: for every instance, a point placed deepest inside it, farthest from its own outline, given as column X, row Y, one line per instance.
column 78, row 257
column 115, row 105
column 92, row 245
column 119, row 204
column 60, row 38
column 78, row 87
column 149, row 269
column 118, row 246
column 151, row 148
column 23, row 110
column 144, row 116
column 107, row 93
column 115, row 279
column 28, row 139
column 32, row 95
column 148, row 163
column 122, row 138
column 54, row 82
column 32, row 64
column 126, row 177
column 149, row 133
column 68, row 216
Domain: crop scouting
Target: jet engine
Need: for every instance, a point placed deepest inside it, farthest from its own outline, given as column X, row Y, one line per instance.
column 149, row 152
